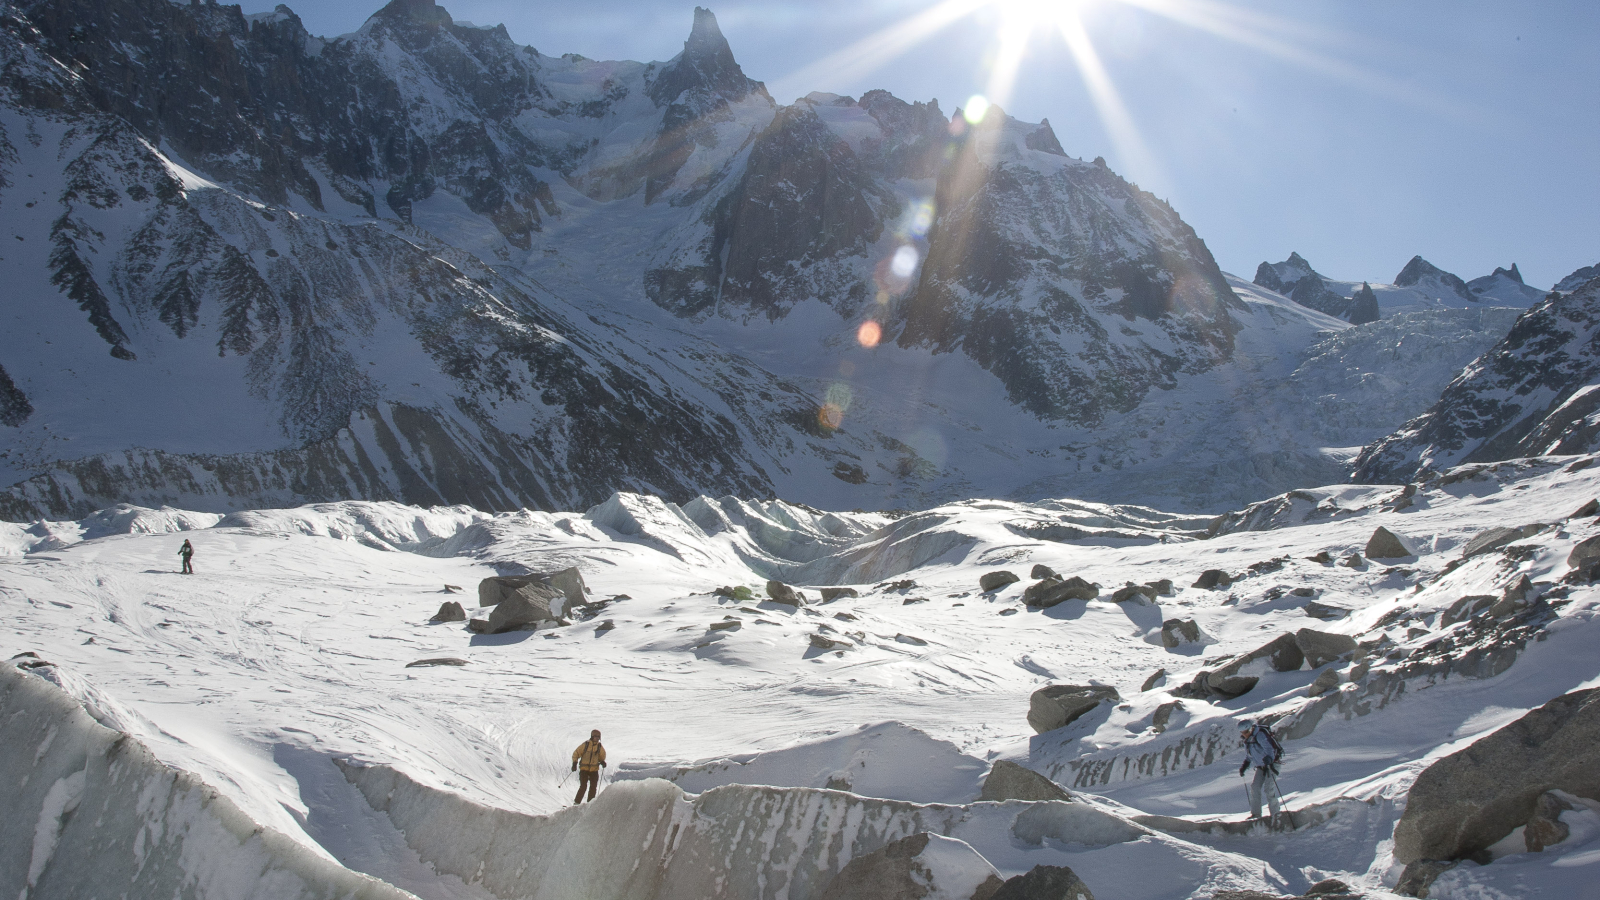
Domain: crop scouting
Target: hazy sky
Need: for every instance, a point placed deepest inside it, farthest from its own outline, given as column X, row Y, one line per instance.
column 1357, row 132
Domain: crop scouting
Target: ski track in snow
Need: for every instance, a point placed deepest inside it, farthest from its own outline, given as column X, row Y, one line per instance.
column 288, row 648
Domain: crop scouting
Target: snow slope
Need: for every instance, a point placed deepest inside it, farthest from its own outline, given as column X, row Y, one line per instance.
column 278, row 676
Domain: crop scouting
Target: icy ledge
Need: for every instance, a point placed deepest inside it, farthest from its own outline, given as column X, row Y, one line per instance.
column 89, row 812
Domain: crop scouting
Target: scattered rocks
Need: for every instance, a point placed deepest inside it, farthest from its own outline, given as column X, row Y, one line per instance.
column 1043, row 883
column 830, row 594
column 1324, row 611
column 1060, row 705
column 1156, row 679
column 1009, row 781
column 1385, row 544
column 735, row 592
column 1213, row 579
column 1177, row 632
column 993, row 581
column 1470, row 799
column 450, row 611
column 1321, row 648
column 1324, row 683
column 529, row 604
column 1040, row 570
column 913, row 868
column 778, row 592
column 440, row 661
column 1055, row 590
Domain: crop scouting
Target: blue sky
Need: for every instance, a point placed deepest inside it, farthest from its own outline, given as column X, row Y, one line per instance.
column 1357, row 132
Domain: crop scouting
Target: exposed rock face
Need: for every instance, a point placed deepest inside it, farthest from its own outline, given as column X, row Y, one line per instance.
column 1533, row 393
column 14, row 406
column 1295, row 279
column 1472, row 798
column 1009, row 781
column 1578, row 278
column 1060, row 705
column 1419, row 273
column 1044, row 883
column 912, row 868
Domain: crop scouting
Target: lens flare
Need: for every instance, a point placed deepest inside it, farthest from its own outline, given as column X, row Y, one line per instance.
column 869, row 334
column 830, row 416
column 904, row 262
column 977, row 107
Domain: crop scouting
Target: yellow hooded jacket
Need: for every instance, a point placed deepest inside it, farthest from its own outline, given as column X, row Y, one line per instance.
column 589, row 756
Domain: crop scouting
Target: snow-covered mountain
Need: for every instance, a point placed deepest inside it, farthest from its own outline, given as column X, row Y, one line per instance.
column 289, row 723
column 1578, row 278
column 252, row 267
column 1505, row 287
column 1420, row 286
column 1536, row 392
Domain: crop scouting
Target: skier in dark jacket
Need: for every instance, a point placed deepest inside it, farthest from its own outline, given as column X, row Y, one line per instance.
column 187, row 552
column 587, row 761
column 1262, row 751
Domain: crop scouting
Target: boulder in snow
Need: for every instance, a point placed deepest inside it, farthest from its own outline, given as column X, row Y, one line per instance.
column 529, row 604
column 1466, row 608
column 1156, row 679
column 1044, row 883
column 1324, row 611
column 1323, row 683
column 1585, row 511
column 1585, row 554
column 1495, row 538
column 450, row 611
column 1544, row 827
column 1139, row 593
column 565, row 587
column 1230, row 686
column 1162, row 587
column 1321, row 648
column 1052, row 591
column 993, row 581
column 1009, row 781
column 1177, row 632
column 1282, row 653
column 436, row 661
column 779, row 592
column 830, row 594
column 1040, row 570
column 1472, row 798
column 921, row 866
column 1060, row 705
column 1385, row 544
column 1212, row 579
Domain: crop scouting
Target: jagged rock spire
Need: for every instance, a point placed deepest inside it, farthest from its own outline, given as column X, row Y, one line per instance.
column 706, row 64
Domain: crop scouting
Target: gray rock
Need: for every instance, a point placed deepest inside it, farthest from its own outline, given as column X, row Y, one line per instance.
column 1490, row 539
column 778, row 592
column 1588, row 509
column 1385, row 544
column 1162, row 587
column 1353, row 561
column 993, row 581
column 1230, row 686
column 1060, row 705
column 1322, row 556
column 1324, row 683
column 1283, row 653
column 1052, row 591
column 569, row 582
column 909, row 639
column 1177, row 632
column 1044, row 883
column 1157, row 678
column 452, row 589
column 1418, row 876
column 1324, row 611
column 438, row 661
column 727, row 624
column 1247, row 895
column 1330, row 887
column 478, row 626
column 1009, row 781
column 530, row 604
column 1140, row 593
column 1212, row 579
column 450, row 611
column 1163, row 715
column 1585, row 554
column 1472, row 798
column 603, row 627
column 1040, row 570
column 830, row 594
column 823, row 642
column 1466, row 608
column 1545, row 828
column 1321, row 648
column 899, row 871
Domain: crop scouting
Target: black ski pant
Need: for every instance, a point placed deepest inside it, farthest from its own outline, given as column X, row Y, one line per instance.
column 590, row 779
column 187, row 568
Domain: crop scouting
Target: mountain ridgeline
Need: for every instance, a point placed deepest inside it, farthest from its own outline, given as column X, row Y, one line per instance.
column 408, row 263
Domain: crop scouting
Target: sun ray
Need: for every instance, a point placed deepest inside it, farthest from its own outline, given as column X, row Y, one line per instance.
column 1107, row 99
column 876, row 50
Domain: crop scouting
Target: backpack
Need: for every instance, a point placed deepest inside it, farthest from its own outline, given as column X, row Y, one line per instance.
column 1277, row 748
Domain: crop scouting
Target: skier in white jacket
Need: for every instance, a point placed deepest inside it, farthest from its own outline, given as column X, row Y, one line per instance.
column 1262, row 751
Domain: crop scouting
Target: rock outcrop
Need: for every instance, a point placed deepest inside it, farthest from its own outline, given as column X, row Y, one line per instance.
column 1060, row 705
column 1009, row 781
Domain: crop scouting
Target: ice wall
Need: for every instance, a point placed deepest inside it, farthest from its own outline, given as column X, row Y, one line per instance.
column 86, row 811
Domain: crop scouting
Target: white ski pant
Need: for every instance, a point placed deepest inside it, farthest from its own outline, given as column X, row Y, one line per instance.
column 1264, row 783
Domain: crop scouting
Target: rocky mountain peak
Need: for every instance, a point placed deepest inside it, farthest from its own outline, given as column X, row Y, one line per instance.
column 419, row 12
column 705, row 65
column 1510, row 273
column 1578, row 278
column 1419, row 273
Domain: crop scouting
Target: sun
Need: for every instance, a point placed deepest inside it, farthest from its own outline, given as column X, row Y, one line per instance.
column 1031, row 14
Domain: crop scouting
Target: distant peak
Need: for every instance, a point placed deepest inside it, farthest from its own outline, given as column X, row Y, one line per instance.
column 706, row 63
column 1296, row 259
column 425, row 12
column 1510, row 273
column 705, row 33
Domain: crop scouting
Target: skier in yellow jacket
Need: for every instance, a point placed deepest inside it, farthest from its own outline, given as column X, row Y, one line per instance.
column 587, row 761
